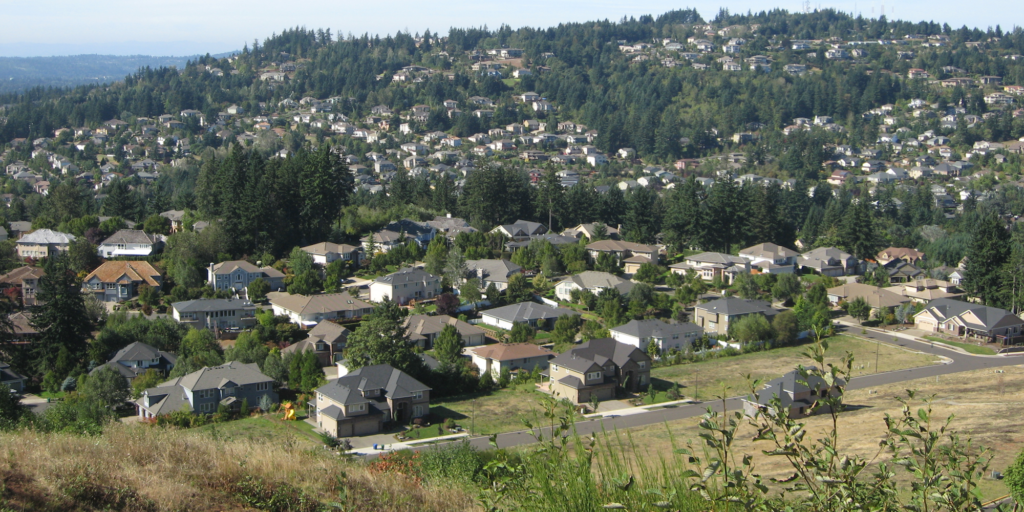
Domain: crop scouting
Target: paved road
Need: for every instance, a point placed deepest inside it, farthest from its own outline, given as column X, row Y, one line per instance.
column 957, row 362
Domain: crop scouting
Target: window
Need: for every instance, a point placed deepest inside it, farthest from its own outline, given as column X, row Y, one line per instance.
column 357, row 408
column 207, row 407
column 263, row 386
column 594, row 376
column 643, row 365
column 554, row 368
column 417, row 411
column 416, row 395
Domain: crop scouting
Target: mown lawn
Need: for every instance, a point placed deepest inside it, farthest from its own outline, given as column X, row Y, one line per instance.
column 265, row 428
column 971, row 349
column 726, row 376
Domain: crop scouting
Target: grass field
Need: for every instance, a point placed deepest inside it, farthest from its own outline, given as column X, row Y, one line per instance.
column 985, row 405
column 501, row 411
column 266, row 428
column 414, row 434
column 971, row 349
column 725, row 376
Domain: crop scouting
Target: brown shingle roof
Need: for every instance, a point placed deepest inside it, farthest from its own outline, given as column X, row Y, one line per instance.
column 509, row 351
column 120, row 271
column 16, row 276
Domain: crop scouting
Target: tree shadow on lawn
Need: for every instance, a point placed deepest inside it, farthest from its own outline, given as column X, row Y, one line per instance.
column 440, row 413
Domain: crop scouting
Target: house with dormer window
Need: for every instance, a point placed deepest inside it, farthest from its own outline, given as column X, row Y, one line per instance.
column 138, row 358
column 367, row 399
column 204, row 391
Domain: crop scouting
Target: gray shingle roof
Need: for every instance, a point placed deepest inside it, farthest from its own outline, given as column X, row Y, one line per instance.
column 990, row 317
column 46, row 236
column 731, row 306
column 128, row 236
column 527, row 311
column 205, row 305
column 655, row 327
column 599, row 351
column 349, row 389
column 407, row 275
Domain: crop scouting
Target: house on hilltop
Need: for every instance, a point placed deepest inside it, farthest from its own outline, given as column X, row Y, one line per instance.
column 204, row 390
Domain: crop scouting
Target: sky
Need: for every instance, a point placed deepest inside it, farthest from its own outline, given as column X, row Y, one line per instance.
column 189, row 27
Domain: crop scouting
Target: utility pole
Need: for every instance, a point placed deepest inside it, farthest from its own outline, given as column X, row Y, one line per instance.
column 877, row 345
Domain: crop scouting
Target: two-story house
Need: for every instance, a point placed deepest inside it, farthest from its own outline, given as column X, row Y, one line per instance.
column 771, row 258
column 365, row 400
column 520, row 230
column 487, row 272
column 712, row 265
column 509, row 356
column 27, row 279
column 406, row 285
column 623, row 251
column 796, row 394
column 42, row 243
column 829, row 261
column 424, row 329
column 238, row 275
column 215, row 313
column 596, row 368
column 641, row 333
column 309, row 310
column 594, row 282
column 327, row 340
column 325, row 253
column 137, row 358
column 204, row 390
column 130, row 242
column 116, row 281
column 716, row 316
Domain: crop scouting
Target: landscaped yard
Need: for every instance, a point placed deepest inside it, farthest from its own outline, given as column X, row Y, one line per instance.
column 414, row 434
column 500, row 411
column 265, row 428
column 985, row 403
column 52, row 396
column 715, row 377
column 971, row 349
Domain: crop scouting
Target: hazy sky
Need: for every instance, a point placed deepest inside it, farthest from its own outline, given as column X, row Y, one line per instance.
column 185, row 27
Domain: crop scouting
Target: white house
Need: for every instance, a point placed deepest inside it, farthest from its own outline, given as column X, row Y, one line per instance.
column 130, row 242
column 405, row 285
column 325, row 253
column 641, row 333
column 771, row 258
column 592, row 281
column 509, row 356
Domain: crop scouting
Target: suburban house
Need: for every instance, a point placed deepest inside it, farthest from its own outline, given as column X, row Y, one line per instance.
column 365, row 400
column 492, row 271
column 524, row 312
column 876, row 297
column 594, row 282
column 509, row 356
column 11, row 379
column 406, row 285
column 716, row 316
column 591, row 231
column 214, row 313
column 709, row 265
column 26, row 278
column 927, row 290
column 42, row 243
column 382, row 241
column 327, row 340
column 177, row 218
column 203, row 391
column 771, row 258
column 116, row 281
column 238, row 275
column 829, row 261
column 324, row 253
column 137, row 358
column 424, row 329
column 309, row 310
column 900, row 271
column 624, row 250
column 795, row 393
column 130, row 242
column 595, row 369
column 957, row 318
column 900, row 253
column 520, row 229
column 667, row 336
column 421, row 232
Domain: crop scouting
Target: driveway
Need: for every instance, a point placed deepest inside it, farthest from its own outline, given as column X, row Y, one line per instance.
column 35, row 403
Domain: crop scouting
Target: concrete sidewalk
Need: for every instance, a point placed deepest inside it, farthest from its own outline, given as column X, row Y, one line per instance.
column 393, row 446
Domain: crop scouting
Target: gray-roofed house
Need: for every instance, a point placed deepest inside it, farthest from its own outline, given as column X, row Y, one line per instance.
column 405, row 285
column 421, row 232
column 520, row 229
column 238, row 275
column 829, row 261
column 596, row 368
column 365, row 400
column 309, row 310
column 137, row 358
column 709, row 265
column 11, row 378
column 451, row 226
column 327, row 340
column 177, row 218
column 958, row 318
column 324, row 253
column 202, row 391
column 641, row 333
column 591, row 231
column 795, row 393
column 771, row 258
column 716, row 316
column 130, row 242
column 624, row 250
column 424, row 329
column 492, row 271
column 594, row 282
column 42, row 243
column 215, row 313
column 524, row 312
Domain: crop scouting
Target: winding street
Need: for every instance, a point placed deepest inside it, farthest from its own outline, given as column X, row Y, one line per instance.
column 956, row 361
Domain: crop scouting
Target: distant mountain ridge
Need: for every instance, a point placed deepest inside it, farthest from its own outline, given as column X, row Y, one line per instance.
column 19, row 73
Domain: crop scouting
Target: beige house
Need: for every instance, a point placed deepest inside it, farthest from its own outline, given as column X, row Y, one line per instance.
column 325, row 253
column 716, row 316
column 327, row 339
column 42, row 243
column 595, row 369
column 309, row 310
column 364, row 401
column 406, row 285
column 911, row 256
column 957, row 318
column 509, row 356
column 927, row 290
column 771, row 258
column 625, row 250
column 26, row 278
column 592, row 281
column 877, row 298
column 709, row 265
column 424, row 329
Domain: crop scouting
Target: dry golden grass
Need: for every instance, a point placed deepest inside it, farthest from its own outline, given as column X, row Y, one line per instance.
column 136, row 467
column 986, row 406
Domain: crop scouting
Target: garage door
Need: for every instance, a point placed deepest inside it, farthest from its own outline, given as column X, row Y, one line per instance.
column 367, row 427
